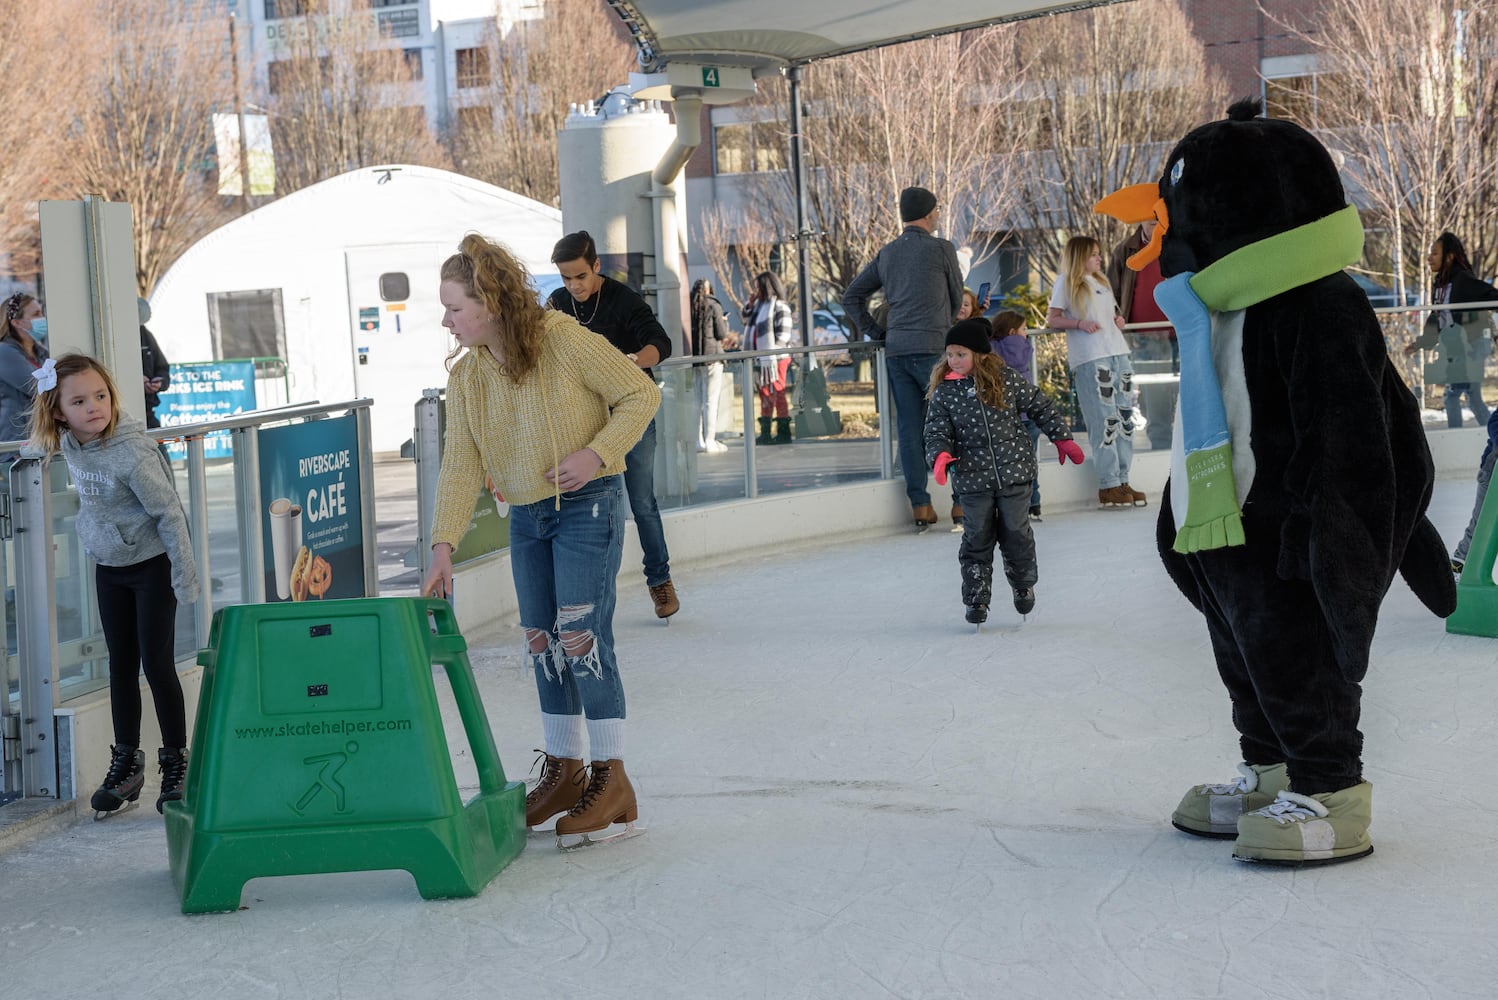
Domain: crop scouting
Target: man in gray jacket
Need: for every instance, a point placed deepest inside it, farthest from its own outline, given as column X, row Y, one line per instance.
column 922, row 283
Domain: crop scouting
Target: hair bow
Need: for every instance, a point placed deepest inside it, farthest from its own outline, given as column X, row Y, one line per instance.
column 46, row 375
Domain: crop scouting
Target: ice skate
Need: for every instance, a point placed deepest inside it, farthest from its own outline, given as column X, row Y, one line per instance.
column 122, row 784
column 1136, row 499
column 956, row 518
column 1035, row 512
column 1024, row 600
column 1214, row 810
column 557, row 790
column 977, row 614
column 1113, row 497
column 172, row 763
column 924, row 516
column 1301, row 830
column 663, row 596
column 609, row 800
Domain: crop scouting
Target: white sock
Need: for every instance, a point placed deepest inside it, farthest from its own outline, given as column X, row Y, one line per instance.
column 606, row 739
column 563, row 735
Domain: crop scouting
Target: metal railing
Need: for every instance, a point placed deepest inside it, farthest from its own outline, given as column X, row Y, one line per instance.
column 47, row 667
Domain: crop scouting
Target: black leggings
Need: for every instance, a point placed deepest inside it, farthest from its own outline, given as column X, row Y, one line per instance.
column 138, row 612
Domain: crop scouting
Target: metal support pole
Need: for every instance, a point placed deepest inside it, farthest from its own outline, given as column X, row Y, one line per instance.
column 803, row 230
column 886, row 417
column 247, row 497
column 367, row 524
column 427, row 446
column 751, row 474
column 197, row 498
column 36, row 625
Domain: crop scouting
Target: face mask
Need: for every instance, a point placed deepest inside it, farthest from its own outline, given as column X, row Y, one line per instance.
column 39, row 329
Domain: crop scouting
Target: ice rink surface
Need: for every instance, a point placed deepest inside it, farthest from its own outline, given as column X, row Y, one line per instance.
column 849, row 793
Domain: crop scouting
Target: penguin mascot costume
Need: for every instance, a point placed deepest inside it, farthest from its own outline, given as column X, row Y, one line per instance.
column 1299, row 477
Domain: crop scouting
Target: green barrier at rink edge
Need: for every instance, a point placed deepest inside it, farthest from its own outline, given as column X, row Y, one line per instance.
column 319, row 748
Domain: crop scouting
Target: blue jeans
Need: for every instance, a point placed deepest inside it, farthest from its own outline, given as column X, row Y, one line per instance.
column 1105, row 390
column 565, row 563
column 909, row 376
column 639, row 483
column 1034, row 430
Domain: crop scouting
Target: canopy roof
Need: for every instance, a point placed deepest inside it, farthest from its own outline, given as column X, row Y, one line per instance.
column 773, row 33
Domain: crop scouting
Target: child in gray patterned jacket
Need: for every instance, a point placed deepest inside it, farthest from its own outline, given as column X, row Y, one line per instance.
column 973, row 430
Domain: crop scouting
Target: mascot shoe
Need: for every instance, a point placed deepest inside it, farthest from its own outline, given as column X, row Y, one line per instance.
column 1213, row 810
column 1297, row 830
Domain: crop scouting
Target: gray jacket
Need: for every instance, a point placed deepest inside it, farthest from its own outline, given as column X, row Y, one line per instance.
column 17, row 389
column 128, row 509
column 922, row 283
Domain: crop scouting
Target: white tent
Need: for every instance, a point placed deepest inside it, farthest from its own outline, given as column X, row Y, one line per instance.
column 340, row 279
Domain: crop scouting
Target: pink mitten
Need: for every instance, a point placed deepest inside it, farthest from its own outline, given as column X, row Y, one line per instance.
column 940, row 468
column 1068, row 449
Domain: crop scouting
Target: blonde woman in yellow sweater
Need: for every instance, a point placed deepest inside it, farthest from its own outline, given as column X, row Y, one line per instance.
column 548, row 411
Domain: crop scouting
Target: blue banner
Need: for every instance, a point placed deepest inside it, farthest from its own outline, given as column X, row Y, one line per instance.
column 311, row 510
column 207, row 390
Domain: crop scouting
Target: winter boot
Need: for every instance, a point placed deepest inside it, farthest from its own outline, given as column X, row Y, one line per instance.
column 957, row 513
column 609, row 798
column 1024, row 599
column 1298, row 830
column 764, row 432
column 127, row 773
column 558, row 790
column 172, row 762
column 782, row 430
column 663, row 596
column 1213, row 810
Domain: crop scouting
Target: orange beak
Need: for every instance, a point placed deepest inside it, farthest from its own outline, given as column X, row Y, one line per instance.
column 1136, row 204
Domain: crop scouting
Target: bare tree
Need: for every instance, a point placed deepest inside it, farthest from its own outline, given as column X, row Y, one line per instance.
column 1112, row 90
column 925, row 112
column 518, row 89
column 40, row 97
column 343, row 97
column 142, row 133
column 737, row 249
column 1405, row 94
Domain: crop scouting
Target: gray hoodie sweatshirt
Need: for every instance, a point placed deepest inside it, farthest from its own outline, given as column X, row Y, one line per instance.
column 128, row 508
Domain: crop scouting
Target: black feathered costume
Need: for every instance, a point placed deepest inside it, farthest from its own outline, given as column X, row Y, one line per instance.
column 1328, row 459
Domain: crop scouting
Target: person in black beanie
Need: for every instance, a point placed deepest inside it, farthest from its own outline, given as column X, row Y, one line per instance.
column 922, row 283
column 974, row 432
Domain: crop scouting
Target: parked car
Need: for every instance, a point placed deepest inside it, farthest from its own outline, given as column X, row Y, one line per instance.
column 827, row 328
column 1379, row 296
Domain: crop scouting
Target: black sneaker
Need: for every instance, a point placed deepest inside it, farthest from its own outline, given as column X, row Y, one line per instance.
column 977, row 614
column 1024, row 600
column 127, row 773
column 1035, row 512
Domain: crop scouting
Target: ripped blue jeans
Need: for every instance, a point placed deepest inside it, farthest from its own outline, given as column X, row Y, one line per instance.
column 565, row 563
column 1105, row 391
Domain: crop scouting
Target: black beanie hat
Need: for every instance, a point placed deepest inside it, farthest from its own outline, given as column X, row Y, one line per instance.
column 972, row 334
column 916, row 203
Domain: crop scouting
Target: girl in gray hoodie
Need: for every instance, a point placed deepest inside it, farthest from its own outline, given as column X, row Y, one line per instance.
column 131, row 522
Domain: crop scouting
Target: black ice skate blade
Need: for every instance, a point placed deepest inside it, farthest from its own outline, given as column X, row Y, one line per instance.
column 1206, row 834
column 567, row 843
column 102, row 814
column 1302, row 862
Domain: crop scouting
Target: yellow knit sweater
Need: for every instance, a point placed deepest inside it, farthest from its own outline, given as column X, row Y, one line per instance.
column 517, row 432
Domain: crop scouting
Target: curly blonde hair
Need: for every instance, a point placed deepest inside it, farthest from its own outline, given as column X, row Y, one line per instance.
column 494, row 277
column 47, row 424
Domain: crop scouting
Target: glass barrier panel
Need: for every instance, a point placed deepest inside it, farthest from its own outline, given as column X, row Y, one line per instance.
column 815, row 425
column 690, row 468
